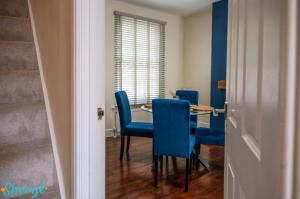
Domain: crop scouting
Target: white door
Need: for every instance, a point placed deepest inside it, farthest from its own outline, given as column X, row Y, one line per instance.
column 253, row 154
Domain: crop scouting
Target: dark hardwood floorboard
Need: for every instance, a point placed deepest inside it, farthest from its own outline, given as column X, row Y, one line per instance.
column 133, row 177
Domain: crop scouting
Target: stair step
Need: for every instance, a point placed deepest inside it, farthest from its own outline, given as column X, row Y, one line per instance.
column 23, row 123
column 28, row 164
column 15, row 29
column 22, row 86
column 17, row 55
column 15, row 8
column 51, row 193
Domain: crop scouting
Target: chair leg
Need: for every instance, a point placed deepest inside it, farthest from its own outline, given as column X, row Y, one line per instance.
column 155, row 170
column 128, row 144
column 122, row 147
column 161, row 158
column 192, row 161
column 174, row 160
column 197, row 155
column 186, row 186
column 191, row 164
column 153, row 157
column 201, row 161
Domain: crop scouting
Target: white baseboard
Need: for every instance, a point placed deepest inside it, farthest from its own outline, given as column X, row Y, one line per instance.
column 110, row 133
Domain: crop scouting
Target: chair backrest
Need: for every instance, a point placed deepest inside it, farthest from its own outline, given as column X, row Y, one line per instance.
column 191, row 96
column 124, row 109
column 171, row 127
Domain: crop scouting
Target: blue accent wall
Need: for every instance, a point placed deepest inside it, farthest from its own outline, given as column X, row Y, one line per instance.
column 218, row 59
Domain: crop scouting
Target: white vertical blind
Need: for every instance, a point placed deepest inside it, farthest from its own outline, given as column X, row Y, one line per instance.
column 139, row 58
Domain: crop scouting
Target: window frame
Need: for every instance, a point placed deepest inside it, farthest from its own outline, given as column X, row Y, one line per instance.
column 118, row 59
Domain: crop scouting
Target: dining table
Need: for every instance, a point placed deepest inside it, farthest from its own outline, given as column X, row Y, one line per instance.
column 195, row 109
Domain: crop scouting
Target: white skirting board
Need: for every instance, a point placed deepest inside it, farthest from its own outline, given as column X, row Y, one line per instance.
column 110, row 133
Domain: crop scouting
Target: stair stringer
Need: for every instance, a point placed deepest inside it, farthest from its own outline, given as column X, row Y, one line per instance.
column 48, row 108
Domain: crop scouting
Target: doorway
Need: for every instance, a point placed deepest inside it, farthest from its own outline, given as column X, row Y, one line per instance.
column 187, row 65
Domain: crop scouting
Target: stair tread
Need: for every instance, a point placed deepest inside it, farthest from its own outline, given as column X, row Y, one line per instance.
column 15, row 17
column 16, row 42
column 14, row 8
column 51, row 193
column 33, row 70
column 6, row 68
column 24, row 121
column 24, row 148
column 20, row 86
column 28, row 163
column 17, row 54
column 19, row 70
column 4, row 107
column 15, row 29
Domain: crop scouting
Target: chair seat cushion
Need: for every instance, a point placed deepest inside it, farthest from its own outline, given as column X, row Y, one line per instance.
column 210, row 136
column 141, row 129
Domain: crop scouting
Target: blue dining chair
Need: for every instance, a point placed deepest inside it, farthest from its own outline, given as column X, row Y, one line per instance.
column 129, row 128
column 208, row 136
column 171, row 132
column 192, row 96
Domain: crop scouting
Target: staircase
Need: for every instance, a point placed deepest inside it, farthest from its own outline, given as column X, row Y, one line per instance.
column 26, row 155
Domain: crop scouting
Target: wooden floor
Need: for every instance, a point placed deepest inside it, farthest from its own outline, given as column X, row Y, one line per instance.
column 133, row 177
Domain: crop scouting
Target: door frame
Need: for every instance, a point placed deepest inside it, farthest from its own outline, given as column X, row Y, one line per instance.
column 297, row 156
column 290, row 99
column 88, row 93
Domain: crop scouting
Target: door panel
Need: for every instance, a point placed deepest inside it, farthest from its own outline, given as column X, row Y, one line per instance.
column 233, row 53
column 252, row 65
column 230, row 180
column 242, row 194
column 241, row 52
column 252, row 127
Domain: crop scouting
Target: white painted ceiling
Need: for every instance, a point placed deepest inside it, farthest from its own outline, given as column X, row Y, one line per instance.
column 178, row 7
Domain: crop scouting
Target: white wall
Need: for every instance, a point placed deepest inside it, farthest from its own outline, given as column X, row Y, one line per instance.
column 197, row 55
column 174, row 54
column 52, row 21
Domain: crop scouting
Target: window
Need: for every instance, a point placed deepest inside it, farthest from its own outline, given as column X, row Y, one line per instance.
column 139, row 57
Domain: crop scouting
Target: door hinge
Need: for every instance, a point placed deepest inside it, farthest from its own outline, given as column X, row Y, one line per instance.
column 100, row 113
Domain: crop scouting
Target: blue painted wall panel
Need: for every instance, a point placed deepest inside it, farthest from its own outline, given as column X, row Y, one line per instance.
column 218, row 59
